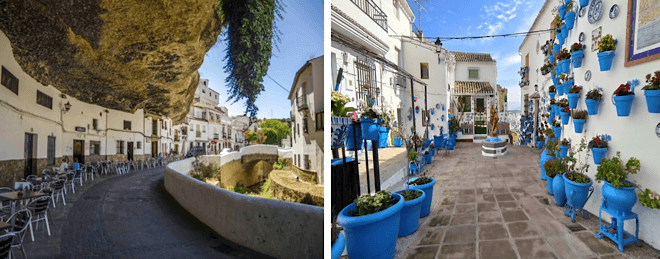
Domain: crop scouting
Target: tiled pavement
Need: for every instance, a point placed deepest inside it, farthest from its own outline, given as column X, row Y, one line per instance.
column 499, row 208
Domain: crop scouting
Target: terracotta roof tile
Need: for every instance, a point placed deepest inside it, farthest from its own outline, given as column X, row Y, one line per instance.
column 467, row 87
column 472, row 57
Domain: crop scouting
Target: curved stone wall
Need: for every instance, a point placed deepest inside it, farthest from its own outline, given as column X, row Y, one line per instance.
column 250, row 166
column 285, row 187
column 273, row 227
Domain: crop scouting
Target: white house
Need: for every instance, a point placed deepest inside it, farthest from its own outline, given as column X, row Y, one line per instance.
column 633, row 136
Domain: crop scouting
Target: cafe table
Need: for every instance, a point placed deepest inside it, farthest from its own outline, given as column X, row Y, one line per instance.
column 4, row 225
column 13, row 198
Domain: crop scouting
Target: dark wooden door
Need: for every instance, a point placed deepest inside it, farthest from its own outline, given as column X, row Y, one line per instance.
column 30, row 152
column 129, row 152
column 79, row 150
column 154, row 148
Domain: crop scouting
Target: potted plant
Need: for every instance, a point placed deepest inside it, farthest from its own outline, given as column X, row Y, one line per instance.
column 564, row 31
column 425, row 184
column 569, row 16
column 567, row 82
column 652, row 92
column 412, row 160
column 564, row 61
column 584, row 3
column 557, row 47
column 341, row 119
column 545, row 154
column 555, row 108
column 579, row 118
column 565, row 115
column 577, row 184
column 370, row 121
column 416, row 109
column 573, row 96
column 556, row 127
column 618, row 193
column 560, row 35
column 365, row 89
column 623, row 99
column 539, row 144
column 606, row 48
column 553, row 167
column 377, row 91
column 592, row 100
column 338, row 240
column 598, row 146
column 562, row 11
column 397, row 140
column 577, row 54
column 649, row 199
column 564, row 145
column 371, row 225
column 410, row 212
column 552, row 91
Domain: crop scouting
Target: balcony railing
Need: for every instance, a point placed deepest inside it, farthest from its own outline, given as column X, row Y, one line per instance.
column 216, row 136
column 301, row 102
column 373, row 11
column 176, row 138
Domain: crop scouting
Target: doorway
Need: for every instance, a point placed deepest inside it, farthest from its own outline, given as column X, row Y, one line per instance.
column 79, row 150
column 480, row 120
column 30, row 153
column 154, row 148
column 129, row 152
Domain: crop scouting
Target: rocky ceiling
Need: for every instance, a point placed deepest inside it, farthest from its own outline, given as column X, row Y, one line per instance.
column 120, row 54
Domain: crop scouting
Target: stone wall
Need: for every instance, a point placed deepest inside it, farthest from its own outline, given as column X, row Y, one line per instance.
column 285, row 187
column 305, row 175
column 248, row 170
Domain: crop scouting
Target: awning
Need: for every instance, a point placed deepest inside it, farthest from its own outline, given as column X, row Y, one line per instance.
column 470, row 87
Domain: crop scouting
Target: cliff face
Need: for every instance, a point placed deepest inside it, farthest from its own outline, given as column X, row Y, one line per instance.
column 121, row 54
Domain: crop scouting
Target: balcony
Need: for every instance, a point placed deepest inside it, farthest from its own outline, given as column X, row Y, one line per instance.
column 216, row 136
column 224, row 135
column 362, row 21
column 373, row 11
column 177, row 138
column 301, row 102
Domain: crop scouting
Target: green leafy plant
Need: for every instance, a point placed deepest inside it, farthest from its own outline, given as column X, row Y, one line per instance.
column 239, row 189
column 548, row 132
column 574, row 90
column 411, row 195
column 565, row 142
column 308, row 199
column 613, row 171
column 552, row 89
column 569, row 6
column 598, row 142
column 338, row 105
column 607, row 43
column 653, row 81
column 552, row 147
column 594, row 94
column 577, row 177
column 649, row 199
column 412, row 155
column 565, row 109
column 541, row 138
column 579, row 114
column 554, row 167
column 265, row 190
column 576, row 166
column 562, row 103
column 556, row 123
column 279, row 165
column 623, row 90
column 576, row 47
column 368, row 204
column 563, row 55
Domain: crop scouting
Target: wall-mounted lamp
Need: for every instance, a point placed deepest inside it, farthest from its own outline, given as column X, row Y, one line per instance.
column 67, row 107
column 63, row 96
column 438, row 48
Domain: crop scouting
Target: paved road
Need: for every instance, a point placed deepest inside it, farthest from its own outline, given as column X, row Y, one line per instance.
column 129, row 216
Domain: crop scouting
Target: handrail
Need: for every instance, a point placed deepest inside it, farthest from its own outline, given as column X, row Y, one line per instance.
column 373, row 11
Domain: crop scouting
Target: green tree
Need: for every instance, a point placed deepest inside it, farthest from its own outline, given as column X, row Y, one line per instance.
column 279, row 131
column 251, row 136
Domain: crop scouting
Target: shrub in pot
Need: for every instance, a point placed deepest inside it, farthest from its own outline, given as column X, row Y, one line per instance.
column 554, row 169
column 425, row 184
column 410, row 212
column 652, row 92
column 539, row 145
column 618, row 193
column 577, row 54
column 564, row 61
column 577, row 185
column 592, row 100
column 564, row 145
column 547, row 154
column 371, row 225
column 552, row 91
column 606, row 48
column 579, row 118
column 573, row 96
column 623, row 99
column 565, row 115
column 598, row 146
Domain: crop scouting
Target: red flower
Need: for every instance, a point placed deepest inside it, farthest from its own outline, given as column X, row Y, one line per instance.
column 597, row 140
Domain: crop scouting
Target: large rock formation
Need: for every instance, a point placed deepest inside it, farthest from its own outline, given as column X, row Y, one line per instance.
column 121, row 54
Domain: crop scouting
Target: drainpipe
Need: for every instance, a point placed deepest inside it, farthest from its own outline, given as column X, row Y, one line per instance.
column 412, row 98
column 426, row 108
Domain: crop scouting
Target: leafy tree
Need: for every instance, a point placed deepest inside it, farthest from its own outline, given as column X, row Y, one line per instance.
column 280, row 131
column 251, row 136
column 272, row 136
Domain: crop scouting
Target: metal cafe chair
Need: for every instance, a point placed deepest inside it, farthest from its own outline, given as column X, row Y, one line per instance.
column 22, row 221
column 6, row 241
column 39, row 208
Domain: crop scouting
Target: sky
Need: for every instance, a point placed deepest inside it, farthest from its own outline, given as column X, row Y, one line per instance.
column 451, row 18
column 301, row 39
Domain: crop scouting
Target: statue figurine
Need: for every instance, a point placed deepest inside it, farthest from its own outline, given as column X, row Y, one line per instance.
column 494, row 119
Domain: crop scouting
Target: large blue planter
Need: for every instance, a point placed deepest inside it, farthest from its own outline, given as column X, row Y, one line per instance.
column 623, row 104
column 544, row 157
column 570, row 20
column 338, row 247
column 439, row 142
column 557, row 131
column 384, row 134
column 410, row 215
column 584, row 3
column 563, row 151
column 350, row 145
column 598, row 154
column 564, row 117
column 573, row 100
column 370, row 129
column 578, row 125
column 652, row 100
column 562, row 11
column 592, row 106
column 577, row 58
column 552, row 94
column 565, row 65
column 428, row 191
column 605, row 60
column 559, row 190
column 428, row 158
column 549, row 181
column 374, row 235
column 398, row 142
column 620, row 200
column 556, row 48
column 577, row 195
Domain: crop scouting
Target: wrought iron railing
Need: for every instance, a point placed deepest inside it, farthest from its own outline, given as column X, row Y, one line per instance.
column 373, row 11
column 301, row 102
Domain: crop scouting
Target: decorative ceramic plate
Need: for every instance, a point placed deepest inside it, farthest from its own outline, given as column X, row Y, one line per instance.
column 614, row 11
column 583, row 11
column 437, row 106
column 595, row 11
column 581, row 38
column 657, row 130
column 587, row 75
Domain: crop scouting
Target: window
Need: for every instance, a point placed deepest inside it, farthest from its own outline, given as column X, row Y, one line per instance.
column 51, row 150
column 305, row 130
column 298, row 129
column 365, row 73
column 44, row 100
column 319, row 121
column 473, row 73
column 204, row 129
column 139, row 145
column 199, row 133
column 127, row 125
column 95, row 124
column 299, row 162
column 307, row 162
column 294, row 132
column 154, row 126
column 120, row 147
column 9, row 80
column 424, row 69
column 94, row 147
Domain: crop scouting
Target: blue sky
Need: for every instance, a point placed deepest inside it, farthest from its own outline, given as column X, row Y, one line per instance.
column 301, row 39
column 483, row 17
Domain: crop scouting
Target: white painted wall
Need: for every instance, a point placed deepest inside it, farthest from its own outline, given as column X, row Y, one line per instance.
column 310, row 144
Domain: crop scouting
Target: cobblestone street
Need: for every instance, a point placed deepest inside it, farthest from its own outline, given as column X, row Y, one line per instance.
column 499, row 208
column 128, row 216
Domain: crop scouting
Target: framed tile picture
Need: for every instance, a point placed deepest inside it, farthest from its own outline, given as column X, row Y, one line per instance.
column 643, row 33
column 596, row 34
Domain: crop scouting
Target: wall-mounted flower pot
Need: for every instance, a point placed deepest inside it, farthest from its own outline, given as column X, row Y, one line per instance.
column 555, row 81
column 428, row 191
column 565, row 116
column 383, row 136
column 398, row 142
column 562, row 11
column 584, row 3
column 570, row 20
column 577, row 195
column 560, row 37
column 577, row 58
column 416, row 110
column 563, row 151
column 556, row 48
column 338, row 247
column 592, row 106
column 410, row 215
column 559, row 190
column 350, row 145
column 552, row 59
column 620, row 200
column 370, row 129
column 565, row 65
column 557, row 131
column 652, row 100
column 555, row 110
column 432, row 127
column 623, row 104
column 374, row 235
column 552, row 94
column 410, row 118
column 573, row 100
column 560, row 89
column 578, row 125
column 549, row 181
column 598, row 154
column 605, row 60
column 564, row 31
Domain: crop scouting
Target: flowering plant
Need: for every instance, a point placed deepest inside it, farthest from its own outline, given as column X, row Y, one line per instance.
column 653, row 80
column 574, row 90
column 614, row 172
column 649, row 199
column 338, row 103
column 566, row 109
column 563, row 54
column 552, row 89
column 368, row 204
column 598, row 142
column 623, row 90
column 576, row 47
column 595, row 94
column 563, row 103
column 607, row 43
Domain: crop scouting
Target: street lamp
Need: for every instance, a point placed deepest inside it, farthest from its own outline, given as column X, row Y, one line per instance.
column 438, row 48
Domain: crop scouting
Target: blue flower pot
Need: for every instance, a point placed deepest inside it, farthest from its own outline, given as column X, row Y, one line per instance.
column 623, row 104
column 552, row 94
column 338, row 247
column 556, row 48
column 584, row 3
column 398, row 142
column 565, row 65
column 544, row 157
column 598, row 153
column 374, row 235
column 555, row 81
column 384, row 134
column 564, row 117
column 652, row 100
column 452, row 142
column 559, row 190
column 605, row 60
column 578, row 124
column 560, row 38
column 410, row 214
column 564, row 31
column 416, row 110
column 620, row 200
column 439, row 142
column 549, row 181
column 370, row 129
column 428, row 191
column 349, row 140
column 560, row 89
column 568, row 84
column 577, row 58
column 557, row 131
column 562, row 11
column 577, row 194
column 573, row 100
column 552, row 59
column 592, row 106
column 555, row 110
column 563, row 151
column 539, row 145
column 570, row 20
